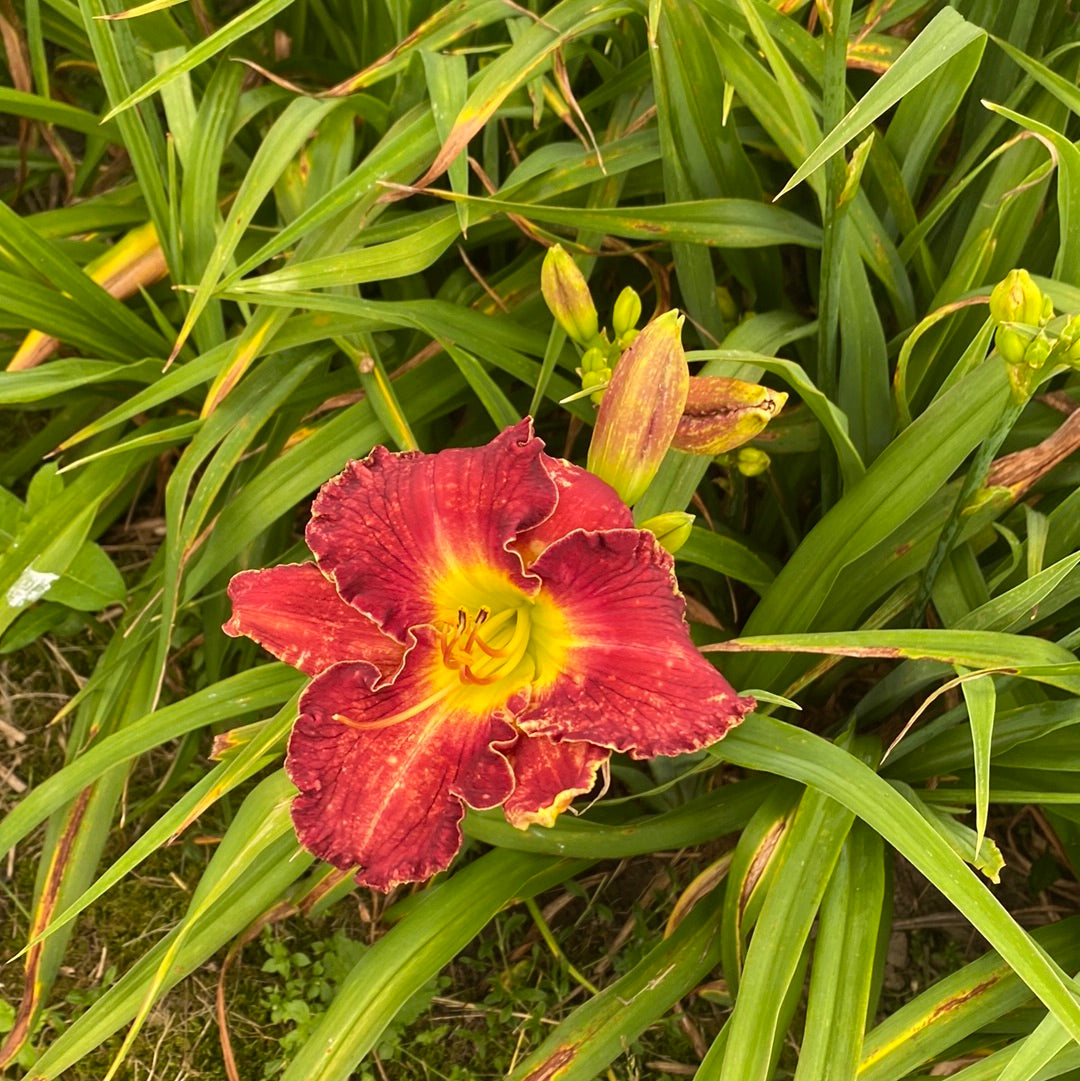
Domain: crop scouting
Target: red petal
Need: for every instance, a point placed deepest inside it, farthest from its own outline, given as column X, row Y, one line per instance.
column 295, row 612
column 390, row 799
column 585, row 502
column 548, row 776
column 391, row 529
column 631, row 679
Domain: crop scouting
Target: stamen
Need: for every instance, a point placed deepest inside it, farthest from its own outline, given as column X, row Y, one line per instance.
column 491, row 651
column 494, row 625
column 468, row 676
column 519, row 643
column 482, row 614
column 509, row 656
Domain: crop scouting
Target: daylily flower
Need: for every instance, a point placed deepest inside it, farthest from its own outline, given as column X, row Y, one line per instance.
column 483, row 627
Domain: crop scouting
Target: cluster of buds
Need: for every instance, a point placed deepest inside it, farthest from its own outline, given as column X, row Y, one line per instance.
column 1028, row 336
column 599, row 359
column 648, row 401
column 568, row 298
column 654, row 405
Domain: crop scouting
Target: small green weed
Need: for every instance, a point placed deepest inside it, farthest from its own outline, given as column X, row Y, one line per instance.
column 303, row 982
column 493, row 1005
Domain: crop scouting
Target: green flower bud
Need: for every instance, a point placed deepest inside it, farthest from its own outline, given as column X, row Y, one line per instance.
column 672, row 530
column 626, row 313
column 721, row 414
column 1038, row 350
column 598, row 378
column 592, row 360
column 641, row 409
column 627, row 338
column 567, row 296
column 1011, row 343
column 752, row 462
column 1017, row 299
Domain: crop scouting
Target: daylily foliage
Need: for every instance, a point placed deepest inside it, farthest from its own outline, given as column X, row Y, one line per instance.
column 483, row 628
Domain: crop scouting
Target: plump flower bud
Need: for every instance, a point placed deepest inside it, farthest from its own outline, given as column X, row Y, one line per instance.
column 672, row 530
column 1017, row 299
column 567, row 296
column 752, row 462
column 1011, row 343
column 626, row 313
column 721, row 414
column 592, row 360
column 596, row 381
column 641, row 409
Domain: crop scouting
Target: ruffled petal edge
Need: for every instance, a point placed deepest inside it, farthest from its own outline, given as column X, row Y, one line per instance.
column 294, row 612
column 385, row 770
column 547, row 776
column 631, row 678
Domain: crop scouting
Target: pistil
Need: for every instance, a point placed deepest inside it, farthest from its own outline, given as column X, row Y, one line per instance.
column 397, row 718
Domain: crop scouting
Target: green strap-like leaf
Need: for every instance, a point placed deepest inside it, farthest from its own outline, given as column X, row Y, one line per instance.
column 250, row 19
column 447, row 917
column 766, row 744
column 267, row 685
column 943, row 37
column 595, row 1034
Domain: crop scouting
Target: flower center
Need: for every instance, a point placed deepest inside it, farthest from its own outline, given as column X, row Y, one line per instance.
column 494, row 638
column 493, row 641
column 486, row 648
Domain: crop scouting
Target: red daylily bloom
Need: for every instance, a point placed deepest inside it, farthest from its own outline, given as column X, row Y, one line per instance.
column 484, row 627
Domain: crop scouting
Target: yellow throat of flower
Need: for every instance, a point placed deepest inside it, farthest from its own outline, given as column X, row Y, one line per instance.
column 496, row 639
column 493, row 641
